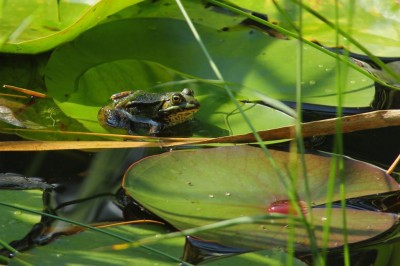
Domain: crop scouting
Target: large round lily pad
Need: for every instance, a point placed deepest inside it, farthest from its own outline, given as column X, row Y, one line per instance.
column 199, row 187
column 82, row 75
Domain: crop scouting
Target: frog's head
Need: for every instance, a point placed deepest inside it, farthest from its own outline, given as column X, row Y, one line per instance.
column 179, row 107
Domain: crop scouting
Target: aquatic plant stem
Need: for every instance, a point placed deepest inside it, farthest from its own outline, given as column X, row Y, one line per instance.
column 208, row 227
column 219, row 76
column 337, row 166
column 213, row 66
column 349, row 41
column 300, row 141
column 8, row 247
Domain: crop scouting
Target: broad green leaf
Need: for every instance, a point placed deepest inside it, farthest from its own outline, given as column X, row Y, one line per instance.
column 93, row 248
column 33, row 26
column 20, row 111
column 264, row 257
column 374, row 24
column 199, row 11
column 16, row 223
column 80, row 74
column 199, row 187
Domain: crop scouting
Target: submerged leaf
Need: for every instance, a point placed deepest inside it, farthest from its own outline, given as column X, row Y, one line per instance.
column 198, row 187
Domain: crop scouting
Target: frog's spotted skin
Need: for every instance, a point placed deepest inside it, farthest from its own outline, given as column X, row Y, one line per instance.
column 151, row 113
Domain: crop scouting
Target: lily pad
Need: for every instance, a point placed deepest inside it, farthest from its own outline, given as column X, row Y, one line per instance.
column 16, row 223
column 199, row 187
column 374, row 24
column 37, row 26
column 93, row 248
column 80, row 74
column 264, row 257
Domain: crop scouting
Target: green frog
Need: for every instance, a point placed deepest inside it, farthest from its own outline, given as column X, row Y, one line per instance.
column 142, row 112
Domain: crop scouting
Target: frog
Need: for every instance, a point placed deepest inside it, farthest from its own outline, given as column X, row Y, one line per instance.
column 154, row 114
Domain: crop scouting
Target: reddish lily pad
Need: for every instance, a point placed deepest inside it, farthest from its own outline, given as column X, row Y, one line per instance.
column 197, row 187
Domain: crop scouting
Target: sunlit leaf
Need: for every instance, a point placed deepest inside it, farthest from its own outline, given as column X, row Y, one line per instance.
column 15, row 223
column 32, row 26
column 265, row 257
column 374, row 24
column 92, row 248
column 200, row 12
column 198, row 187
column 82, row 75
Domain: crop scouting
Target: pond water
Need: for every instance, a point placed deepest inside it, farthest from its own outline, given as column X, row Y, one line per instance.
column 89, row 191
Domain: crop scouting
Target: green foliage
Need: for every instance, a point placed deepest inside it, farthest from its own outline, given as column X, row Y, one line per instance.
column 33, row 26
column 92, row 248
column 374, row 23
column 97, row 48
column 81, row 74
column 240, row 181
column 16, row 223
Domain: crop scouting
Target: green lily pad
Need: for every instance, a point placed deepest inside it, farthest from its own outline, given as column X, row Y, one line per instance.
column 374, row 24
column 81, row 75
column 264, row 257
column 93, row 248
column 16, row 223
column 199, row 187
column 37, row 26
column 200, row 12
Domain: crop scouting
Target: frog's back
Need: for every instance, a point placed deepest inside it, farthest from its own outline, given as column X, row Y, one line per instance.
column 146, row 97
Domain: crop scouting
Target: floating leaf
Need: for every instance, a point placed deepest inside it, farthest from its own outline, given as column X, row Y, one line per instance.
column 82, row 75
column 16, row 223
column 198, row 187
column 93, row 248
column 37, row 26
column 373, row 23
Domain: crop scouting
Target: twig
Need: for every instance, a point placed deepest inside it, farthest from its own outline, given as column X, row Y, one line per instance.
column 25, row 91
column 370, row 120
column 393, row 166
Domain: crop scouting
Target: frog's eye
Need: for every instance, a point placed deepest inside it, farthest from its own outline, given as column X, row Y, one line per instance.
column 176, row 98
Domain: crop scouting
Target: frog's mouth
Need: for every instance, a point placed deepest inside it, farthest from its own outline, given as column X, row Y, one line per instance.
column 178, row 114
column 191, row 107
column 180, row 117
